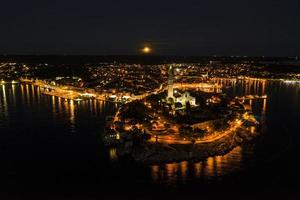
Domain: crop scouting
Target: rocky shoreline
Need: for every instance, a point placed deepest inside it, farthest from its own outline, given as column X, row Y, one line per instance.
column 155, row 153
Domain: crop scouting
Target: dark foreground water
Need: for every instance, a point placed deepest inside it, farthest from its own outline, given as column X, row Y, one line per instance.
column 52, row 148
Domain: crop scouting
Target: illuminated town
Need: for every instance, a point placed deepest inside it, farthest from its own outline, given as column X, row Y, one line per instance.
column 180, row 120
column 149, row 100
column 165, row 112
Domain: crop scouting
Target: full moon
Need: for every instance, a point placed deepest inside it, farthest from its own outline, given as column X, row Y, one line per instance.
column 146, row 50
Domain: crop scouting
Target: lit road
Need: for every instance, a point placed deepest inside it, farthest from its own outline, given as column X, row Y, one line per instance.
column 170, row 139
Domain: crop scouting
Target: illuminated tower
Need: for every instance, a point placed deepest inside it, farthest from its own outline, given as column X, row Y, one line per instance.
column 170, row 84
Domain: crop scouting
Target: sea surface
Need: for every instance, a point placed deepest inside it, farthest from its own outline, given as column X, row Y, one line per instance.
column 52, row 147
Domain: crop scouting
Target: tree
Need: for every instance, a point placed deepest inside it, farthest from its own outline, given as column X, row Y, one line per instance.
column 135, row 110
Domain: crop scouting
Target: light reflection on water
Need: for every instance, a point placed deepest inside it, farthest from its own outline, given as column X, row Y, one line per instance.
column 4, row 102
column 20, row 102
column 113, row 156
column 216, row 166
column 72, row 115
column 29, row 97
column 27, row 94
column 14, row 94
column 211, row 168
column 249, row 86
column 53, row 106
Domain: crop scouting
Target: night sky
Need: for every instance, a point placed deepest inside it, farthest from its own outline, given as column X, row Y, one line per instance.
column 170, row 27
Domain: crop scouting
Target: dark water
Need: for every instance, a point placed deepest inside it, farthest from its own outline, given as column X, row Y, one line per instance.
column 52, row 148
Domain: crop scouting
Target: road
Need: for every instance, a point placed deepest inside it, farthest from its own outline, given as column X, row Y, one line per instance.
column 169, row 139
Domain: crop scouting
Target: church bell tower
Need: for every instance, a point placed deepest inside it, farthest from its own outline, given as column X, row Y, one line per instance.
column 170, row 83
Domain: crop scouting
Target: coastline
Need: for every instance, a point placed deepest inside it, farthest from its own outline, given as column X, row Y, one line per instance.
column 159, row 153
